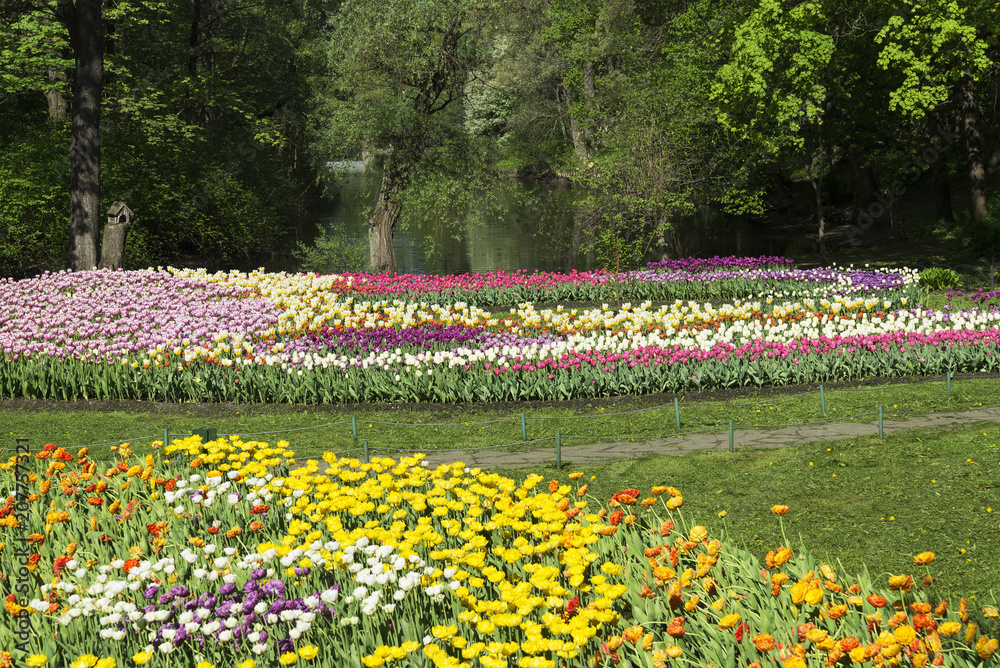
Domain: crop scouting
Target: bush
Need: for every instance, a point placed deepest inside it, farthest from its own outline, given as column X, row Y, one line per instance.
column 939, row 278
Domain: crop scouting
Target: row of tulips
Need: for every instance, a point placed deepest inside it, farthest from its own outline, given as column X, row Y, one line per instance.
column 228, row 554
column 506, row 374
column 503, row 289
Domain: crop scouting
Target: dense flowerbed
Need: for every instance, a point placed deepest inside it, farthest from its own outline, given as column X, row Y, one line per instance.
column 172, row 335
column 227, row 554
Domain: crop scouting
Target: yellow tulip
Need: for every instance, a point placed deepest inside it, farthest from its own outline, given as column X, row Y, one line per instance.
column 970, row 632
column 904, row 635
column 986, row 647
column 729, row 621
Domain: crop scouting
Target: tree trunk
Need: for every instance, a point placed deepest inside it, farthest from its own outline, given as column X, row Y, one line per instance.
column 865, row 182
column 575, row 131
column 58, row 107
column 977, row 171
column 382, row 224
column 942, row 193
column 588, row 94
column 113, row 245
column 193, row 39
column 817, row 183
column 86, row 32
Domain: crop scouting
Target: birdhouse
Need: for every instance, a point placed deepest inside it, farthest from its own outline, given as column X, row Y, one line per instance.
column 119, row 214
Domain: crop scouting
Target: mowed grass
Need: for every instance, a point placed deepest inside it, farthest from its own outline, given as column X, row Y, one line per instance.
column 393, row 430
column 856, row 503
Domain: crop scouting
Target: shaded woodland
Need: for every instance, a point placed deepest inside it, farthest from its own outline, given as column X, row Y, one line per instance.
column 214, row 120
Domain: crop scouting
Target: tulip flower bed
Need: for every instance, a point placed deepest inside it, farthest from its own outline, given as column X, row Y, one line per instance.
column 226, row 554
column 276, row 338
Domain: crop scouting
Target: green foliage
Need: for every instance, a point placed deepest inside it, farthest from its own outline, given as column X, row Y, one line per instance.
column 332, row 253
column 32, row 46
column 931, row 44
column 776, row 75
column 939, row 278
column 34, row 170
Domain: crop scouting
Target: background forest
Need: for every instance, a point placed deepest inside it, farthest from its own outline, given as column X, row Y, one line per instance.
column 215, row 120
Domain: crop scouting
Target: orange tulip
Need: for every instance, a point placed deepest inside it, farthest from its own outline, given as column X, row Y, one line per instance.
column 836, row 611
column 848, row 643
column 923, row 558
column 779, row 510
column 763, row 642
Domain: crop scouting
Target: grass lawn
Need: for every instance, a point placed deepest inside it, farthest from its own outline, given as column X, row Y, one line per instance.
column 438, row 427
column 857, row 503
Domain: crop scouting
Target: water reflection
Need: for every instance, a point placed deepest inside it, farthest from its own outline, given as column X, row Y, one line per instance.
column 541, row 227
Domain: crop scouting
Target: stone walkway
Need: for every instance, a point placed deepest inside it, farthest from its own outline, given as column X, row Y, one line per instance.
column 743, row 439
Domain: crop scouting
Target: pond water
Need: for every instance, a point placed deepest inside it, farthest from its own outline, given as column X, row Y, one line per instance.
column 539, row 227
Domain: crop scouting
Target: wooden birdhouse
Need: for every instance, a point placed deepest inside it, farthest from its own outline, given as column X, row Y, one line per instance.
column 115, row 232
column 119, row 214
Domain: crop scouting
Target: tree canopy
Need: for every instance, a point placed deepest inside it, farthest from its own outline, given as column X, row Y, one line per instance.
column 215, row 120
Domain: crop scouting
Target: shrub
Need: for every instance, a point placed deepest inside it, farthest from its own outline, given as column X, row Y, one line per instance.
column 939, row 278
